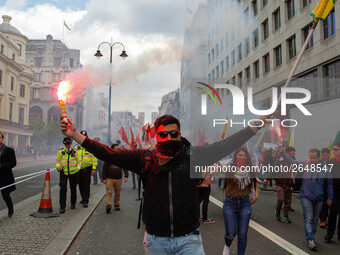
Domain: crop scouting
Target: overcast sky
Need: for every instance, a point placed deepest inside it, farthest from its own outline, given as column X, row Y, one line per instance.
column 152, row 32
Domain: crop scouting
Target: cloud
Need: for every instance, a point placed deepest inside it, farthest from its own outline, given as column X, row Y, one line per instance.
column 137, row 16
column 15, row 4
column 152, row 68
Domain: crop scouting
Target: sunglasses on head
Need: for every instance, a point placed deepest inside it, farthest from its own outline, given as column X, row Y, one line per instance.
column 164, row 134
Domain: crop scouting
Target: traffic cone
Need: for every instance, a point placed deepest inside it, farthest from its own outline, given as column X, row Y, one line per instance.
column 45, row 209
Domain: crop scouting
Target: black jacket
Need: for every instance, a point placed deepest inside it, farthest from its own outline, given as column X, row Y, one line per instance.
column 7, row 162
column 113, row 172
column 171, row 205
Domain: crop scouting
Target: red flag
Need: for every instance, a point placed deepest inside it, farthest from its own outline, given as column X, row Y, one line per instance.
column 201, row 137
column 132, row 137
column 152, row 132
column 123, row 134
column 138, row 139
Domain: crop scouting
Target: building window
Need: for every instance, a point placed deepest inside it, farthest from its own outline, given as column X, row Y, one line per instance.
column 217, row 72
column 13, row 56
column 209, row 58
column 21, row 115
column 217, row 51
column 310, row 81
column 57, row 62
column 213, row 75
column 266, row 63
column 277, row 19
column 264, row 2
column 209, row 77
column 22, row 90
column 2, row 48
column 221, row 45
column 291, row 47
column 20, row 47
column 239, row 49
column 254, row 5
column 240, row 79
column 36, row 93
column 290, row 9
column 256, row 69
column 10, row 112
column 58, row 50
column 332, row 75
column 247, row 45
column 233, row 81
column 37, row 77
column 227, row 64
column 71, row 62
column 222, row 67
column 306, row 31
column 247, row 70
column 265, row 27
column 38, row 62
column 306, row 2
column 40, row 50
column 56, row 76
column 246, row 16
column 233, row 58
column 329, row 25
column 12, row 83
column 278, row 55
column 256, row 37
column 0, row 77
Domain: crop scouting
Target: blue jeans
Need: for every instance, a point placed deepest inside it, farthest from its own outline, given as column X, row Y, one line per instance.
column 311, row 211
column 182, row 245
column 236, row 213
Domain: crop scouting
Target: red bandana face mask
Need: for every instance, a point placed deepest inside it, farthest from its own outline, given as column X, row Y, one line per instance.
column 241, row 162
column 337, row 159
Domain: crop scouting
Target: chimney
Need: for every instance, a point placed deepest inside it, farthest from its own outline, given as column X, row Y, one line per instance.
column 6, row 19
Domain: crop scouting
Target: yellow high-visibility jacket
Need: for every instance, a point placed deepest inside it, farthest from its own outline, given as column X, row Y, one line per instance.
column 85, row 158
column 68, row 161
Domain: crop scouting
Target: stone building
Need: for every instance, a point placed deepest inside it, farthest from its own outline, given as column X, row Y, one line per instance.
column 50, row 61
column 15, row 81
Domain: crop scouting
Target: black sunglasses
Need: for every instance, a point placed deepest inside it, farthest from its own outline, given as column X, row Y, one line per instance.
column 334, row 149
column 164, row 134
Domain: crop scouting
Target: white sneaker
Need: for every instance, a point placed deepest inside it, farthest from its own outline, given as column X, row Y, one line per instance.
column 226, row 250
column 311, row 244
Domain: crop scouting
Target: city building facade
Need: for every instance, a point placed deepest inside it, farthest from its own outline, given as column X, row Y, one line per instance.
column 50, row 61
column 255, row 43
column 15, row 81
column 170, row 104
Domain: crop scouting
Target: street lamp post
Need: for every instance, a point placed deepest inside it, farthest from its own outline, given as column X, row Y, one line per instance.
column 123, row 55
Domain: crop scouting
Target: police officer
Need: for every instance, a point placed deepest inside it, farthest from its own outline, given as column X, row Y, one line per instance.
column 87, row 164
column 66, row 164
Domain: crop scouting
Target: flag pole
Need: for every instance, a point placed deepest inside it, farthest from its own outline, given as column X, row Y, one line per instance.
column 298, row 58
column 290, row 75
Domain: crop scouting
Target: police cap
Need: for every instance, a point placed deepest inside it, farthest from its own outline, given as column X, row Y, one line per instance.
column 67, row 140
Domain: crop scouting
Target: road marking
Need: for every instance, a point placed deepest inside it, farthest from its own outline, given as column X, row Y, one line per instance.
column 268, row 234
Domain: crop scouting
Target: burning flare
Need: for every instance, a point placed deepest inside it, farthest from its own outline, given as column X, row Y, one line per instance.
column 62, row 90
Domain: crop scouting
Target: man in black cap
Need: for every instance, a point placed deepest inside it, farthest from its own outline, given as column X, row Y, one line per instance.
column 66, row 165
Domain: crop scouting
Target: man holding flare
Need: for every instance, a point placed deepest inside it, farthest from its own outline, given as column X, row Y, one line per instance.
column 171, row 208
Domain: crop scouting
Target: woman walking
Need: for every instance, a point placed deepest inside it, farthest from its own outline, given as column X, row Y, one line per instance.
column 241, row 191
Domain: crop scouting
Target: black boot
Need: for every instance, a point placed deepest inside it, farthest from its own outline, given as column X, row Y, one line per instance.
column 10, row 212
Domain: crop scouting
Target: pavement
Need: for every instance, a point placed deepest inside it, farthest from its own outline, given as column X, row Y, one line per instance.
column 24, row 234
